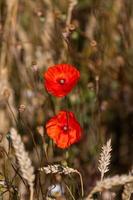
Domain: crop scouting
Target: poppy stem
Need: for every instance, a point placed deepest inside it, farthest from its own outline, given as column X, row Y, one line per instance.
column 67, row 115
column 52, row 104
column 67, row 154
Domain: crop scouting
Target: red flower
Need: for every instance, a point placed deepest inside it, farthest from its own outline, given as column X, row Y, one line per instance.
column 60, row 79
column 64, row 129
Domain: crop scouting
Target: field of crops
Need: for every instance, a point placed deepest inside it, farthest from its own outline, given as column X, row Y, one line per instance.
column 66, row 99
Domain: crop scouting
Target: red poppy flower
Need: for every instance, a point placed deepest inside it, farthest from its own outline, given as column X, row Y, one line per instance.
column 60, row 79
column 64, row 129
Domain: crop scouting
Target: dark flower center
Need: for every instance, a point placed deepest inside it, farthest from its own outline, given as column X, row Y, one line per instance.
column 61, row 81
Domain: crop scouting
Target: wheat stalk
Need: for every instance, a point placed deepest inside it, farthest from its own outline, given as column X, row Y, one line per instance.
column 23, row 159
column 59, row 169
column 104, row 160
column 108, row 183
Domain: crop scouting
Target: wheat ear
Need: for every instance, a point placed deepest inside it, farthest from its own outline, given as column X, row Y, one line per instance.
column 59, row 169
column 128, row 189
column 108, row 183
column 24, row 160
column 104, row 160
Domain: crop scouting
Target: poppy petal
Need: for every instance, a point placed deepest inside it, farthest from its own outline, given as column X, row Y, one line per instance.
column 60, row 79
column 64, row 129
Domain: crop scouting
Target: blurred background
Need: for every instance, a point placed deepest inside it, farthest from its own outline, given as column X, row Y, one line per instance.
column 95, row 36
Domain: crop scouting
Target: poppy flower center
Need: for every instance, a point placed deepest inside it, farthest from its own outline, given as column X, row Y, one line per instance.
column 65, row 128
column 61, row 81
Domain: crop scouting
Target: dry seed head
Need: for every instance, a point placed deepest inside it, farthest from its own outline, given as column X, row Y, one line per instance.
column 93, row 43
column 109, row 183
column 22, row 108
column 97, row 78
column 105, row 157
column 58, row 169
column 34, row 67
column 128, row 189
column 71, row 27
column 127, row 192
column 40, row 130
column 39, row 13
column 91, row 86
column 6, row 93
column 23, row 158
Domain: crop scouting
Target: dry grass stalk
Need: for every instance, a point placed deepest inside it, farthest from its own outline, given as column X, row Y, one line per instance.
column 72, row 4
column 128, row 190
column 108, row 183
column 7, row 36
column 24, row 160
column 48, row 34
column 67, row 32
column 59, row 169
column 104, row 160
column 9, row 31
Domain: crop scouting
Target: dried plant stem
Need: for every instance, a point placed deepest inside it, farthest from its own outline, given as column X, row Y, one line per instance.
column 31, row 193
column 66, row 34
column 11, row 111
column 8, row 31
column 72, row 4
column 69, row 191
column 108, row 183
column 48, row 33
column 10, row 24
column 81, row 181
column 32, row 136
